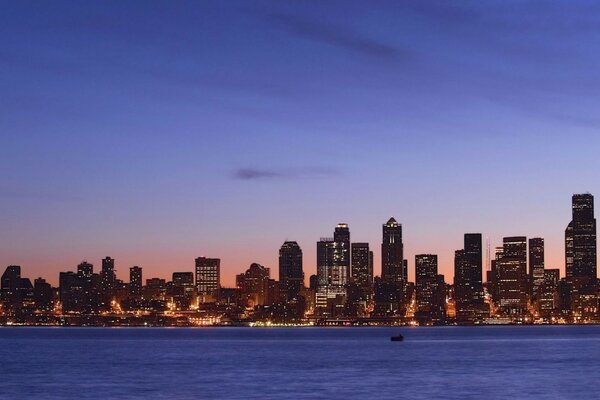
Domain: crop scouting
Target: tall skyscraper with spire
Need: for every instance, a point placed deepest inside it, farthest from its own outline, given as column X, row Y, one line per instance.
column 580, row 239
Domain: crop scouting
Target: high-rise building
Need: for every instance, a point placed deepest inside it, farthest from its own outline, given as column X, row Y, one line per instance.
column 580, row 239
column 254, row 285
column 362, row 265
column 360, row 287
column 392, row 252
column 333, row 270
column 341, row 254
column 536, row 266
column 135, row 281
column 430, row 304
column 85, row 269
column 468, row 280
column 182, row 287
column 511, row 275
column 291, row 275
column 108, row 280
column 208, row 277
column 9, row 286
column 42, row 294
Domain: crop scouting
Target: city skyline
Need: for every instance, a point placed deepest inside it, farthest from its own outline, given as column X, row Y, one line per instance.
column 392, row 232
column 160, row 134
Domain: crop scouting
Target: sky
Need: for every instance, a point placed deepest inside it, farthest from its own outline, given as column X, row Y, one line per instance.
column 155, row 132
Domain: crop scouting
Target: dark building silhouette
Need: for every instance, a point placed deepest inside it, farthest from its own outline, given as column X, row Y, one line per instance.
column 536, row 267
column 135, row 281
column 208, row 278
column 291, row 275
column 430, row 290
column 107, row 282
column 362, row 265
column 10, row 287
column 254, row 285
column 468, row 277
column 392, row 252
column 511, row 275
column 182, row 289
column 43, row 296
column 91, row 289
column 580, row 239
column 360, row 287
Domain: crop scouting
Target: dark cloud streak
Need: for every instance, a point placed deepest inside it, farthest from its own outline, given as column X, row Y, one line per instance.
column 338, row 37
column 253, row 174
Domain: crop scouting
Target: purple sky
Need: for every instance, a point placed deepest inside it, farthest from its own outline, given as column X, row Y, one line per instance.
column 156, row 132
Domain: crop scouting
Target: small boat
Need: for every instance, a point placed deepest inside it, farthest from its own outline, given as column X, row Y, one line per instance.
column 397, row 338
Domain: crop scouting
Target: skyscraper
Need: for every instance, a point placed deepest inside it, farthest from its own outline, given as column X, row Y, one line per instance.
column 536, row 266
column 108, row 280
column 341, row 254
column 580, row 239
column 208, row 277
column 392, row 252
column 135, row 281
column 429, row 303
column 333, row 270
column 468, row 280
column 9, row 286
column 362, row 264
column 511, row 272
column 254, row 285
column 291, row 275
column 360, row 287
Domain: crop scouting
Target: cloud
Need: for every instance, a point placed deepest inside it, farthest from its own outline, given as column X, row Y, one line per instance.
column 250, row 174
column 337, row 37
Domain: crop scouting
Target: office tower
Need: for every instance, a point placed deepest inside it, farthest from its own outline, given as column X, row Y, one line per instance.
column 182, row 287
column 9, row 286
column 341, row 254
column 108, row 279
column 360, row 287
column 254, row 285
column 536, row 266
column 42, row 294
column 135, row 281
column 70, row 292
column 511, row 270
column 208, row 278
column 547, row 302
column 291, row 275
column 392, row 252
column 580, row 239
column 333, row 262
column 428, row 298
column 155, row 289
column 85, row 269
column 362, row 265
column 468, row 277
column 89, row 288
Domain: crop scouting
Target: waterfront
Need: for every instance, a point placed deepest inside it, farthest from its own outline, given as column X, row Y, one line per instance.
column 542, row 362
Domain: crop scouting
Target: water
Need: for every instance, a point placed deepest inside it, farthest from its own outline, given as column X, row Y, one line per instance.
column 540, row 362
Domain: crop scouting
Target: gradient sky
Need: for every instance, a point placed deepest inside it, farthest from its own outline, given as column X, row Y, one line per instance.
column 156, row 132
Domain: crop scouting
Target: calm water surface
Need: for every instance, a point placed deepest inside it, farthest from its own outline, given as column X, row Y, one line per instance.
column 279, row 363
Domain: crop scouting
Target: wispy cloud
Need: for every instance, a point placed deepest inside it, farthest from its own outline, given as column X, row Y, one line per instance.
column 344, row 38
column 249, row 174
